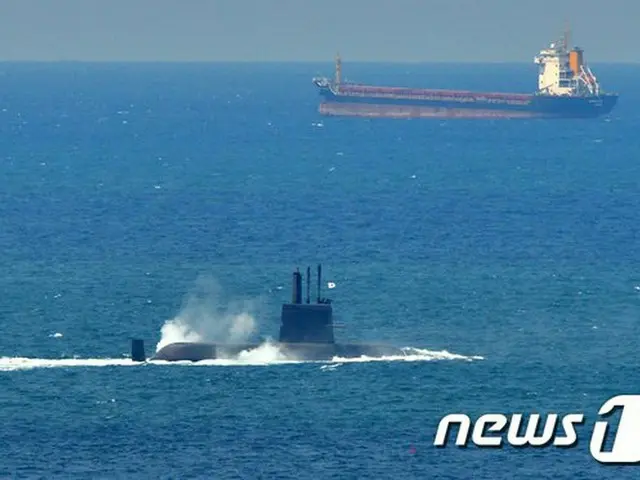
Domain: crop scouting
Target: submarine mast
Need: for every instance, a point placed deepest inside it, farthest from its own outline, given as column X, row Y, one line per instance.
column 296, row 291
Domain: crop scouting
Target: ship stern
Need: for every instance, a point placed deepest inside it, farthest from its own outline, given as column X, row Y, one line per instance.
column 609, row 102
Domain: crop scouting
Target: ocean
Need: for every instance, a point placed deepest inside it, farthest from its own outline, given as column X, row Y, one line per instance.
column 169, row 201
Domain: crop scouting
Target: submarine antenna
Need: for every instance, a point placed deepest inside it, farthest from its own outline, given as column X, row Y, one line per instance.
column 293, row 289
column 319, row 280
column 308, row 284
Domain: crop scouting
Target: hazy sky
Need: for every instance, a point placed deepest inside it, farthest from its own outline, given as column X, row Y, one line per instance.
column 372, row 30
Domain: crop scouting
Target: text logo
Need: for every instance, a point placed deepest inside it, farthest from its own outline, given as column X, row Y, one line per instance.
column 489, row 429
column 626, row 445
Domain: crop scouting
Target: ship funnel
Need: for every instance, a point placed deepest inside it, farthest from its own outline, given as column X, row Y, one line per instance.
column 576, row 61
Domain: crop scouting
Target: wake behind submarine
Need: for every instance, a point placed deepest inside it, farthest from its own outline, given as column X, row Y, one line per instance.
column 306, row 333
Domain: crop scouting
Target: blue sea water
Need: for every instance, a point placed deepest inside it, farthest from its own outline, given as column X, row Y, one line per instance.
column 137, row 196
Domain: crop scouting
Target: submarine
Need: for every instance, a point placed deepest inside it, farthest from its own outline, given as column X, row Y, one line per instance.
column 306, row 334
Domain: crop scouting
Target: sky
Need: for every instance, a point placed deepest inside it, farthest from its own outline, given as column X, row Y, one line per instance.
column 313, row 30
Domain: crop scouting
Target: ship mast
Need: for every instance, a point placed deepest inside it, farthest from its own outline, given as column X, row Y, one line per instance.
column 567, row 36
column 338, row 78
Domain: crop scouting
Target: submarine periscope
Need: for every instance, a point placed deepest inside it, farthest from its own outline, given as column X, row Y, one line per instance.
column 306, row 334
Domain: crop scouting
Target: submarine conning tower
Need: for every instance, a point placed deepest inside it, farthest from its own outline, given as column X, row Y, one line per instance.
column 306, row 322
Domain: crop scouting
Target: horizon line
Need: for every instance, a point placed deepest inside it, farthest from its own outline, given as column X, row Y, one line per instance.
column 328, row 61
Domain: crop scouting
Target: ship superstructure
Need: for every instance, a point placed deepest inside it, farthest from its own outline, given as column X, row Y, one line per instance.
column 563, row 71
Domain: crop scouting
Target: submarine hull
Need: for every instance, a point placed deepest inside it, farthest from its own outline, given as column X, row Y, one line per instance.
column 196, row 352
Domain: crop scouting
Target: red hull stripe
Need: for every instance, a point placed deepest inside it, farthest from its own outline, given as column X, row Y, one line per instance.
column 401, row 111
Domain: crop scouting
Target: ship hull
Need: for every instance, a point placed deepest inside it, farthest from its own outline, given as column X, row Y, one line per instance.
column 195, row 352
column 432, row 104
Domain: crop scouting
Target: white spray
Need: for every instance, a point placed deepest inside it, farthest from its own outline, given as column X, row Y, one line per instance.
column 204, row 317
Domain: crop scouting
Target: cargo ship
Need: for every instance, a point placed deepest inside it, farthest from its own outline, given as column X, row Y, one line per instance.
column 567, row 88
